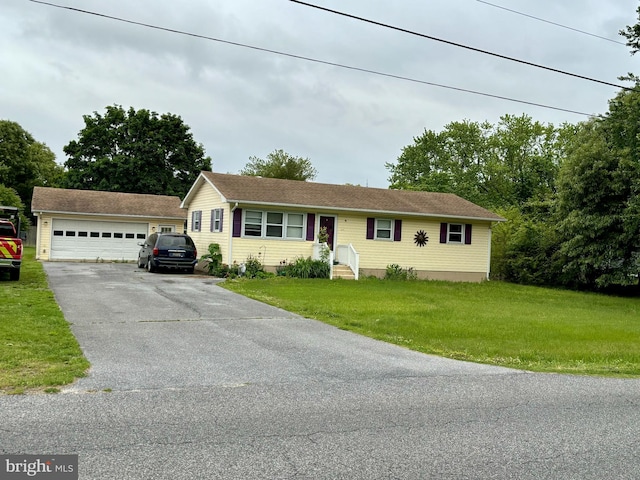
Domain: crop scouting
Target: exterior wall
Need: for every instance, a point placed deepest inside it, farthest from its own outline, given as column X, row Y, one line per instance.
column 457, row 262
column 45, row 225
column 205, row 200
column 270, row 252
column 375, row 255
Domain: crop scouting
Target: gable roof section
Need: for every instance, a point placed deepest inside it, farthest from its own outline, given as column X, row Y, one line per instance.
column 93, row 202
column 278, row 192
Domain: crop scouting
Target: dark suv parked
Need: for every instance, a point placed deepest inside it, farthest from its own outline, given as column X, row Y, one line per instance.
column 168, row 250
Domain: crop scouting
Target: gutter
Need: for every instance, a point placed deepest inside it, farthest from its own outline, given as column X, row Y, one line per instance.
column 230, row 222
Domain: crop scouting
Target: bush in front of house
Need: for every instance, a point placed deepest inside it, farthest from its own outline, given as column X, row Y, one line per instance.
column 396, row 272
column 213, row 259
column 304, row 268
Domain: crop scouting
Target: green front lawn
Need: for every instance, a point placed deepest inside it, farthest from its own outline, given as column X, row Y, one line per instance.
column 496, row 323
column 37, row 349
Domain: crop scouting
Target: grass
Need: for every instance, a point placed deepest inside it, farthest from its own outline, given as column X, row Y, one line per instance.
column 496, row 323
column 38, row 352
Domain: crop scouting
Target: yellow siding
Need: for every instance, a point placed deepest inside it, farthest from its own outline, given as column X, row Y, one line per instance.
column 205, row 200
column 269, row 251
column 377, row 254
column 433, row 260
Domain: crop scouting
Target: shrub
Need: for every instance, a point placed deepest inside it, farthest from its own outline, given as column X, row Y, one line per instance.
column 396, row 272
column 305, row 268
column 213, row 259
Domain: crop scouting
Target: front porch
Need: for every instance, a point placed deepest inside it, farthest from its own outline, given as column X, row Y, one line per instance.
column 344, row 262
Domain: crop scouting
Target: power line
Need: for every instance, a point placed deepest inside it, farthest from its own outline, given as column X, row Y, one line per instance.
column 479, row 50
column 309, row 59
column 552, row 23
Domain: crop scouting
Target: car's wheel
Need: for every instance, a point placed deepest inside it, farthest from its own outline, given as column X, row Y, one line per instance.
column 150, row 266
column 14, row 274
column 140, row 264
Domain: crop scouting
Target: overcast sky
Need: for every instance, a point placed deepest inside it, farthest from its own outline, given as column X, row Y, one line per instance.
column 57, row 65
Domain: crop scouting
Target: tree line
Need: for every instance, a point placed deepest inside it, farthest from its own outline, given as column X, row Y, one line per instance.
column 570, row 194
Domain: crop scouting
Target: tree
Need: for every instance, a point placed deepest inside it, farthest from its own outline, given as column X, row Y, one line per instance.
column 598, row 205
column 509, row 164
column 280, row 164
column 10, row 198
column 24, row 162
column 632, row 34
column 135, row 152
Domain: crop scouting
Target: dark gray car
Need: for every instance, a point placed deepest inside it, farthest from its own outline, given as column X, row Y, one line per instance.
column 168, row 250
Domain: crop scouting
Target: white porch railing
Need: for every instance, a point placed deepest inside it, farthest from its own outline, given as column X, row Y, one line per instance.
column 347, row 255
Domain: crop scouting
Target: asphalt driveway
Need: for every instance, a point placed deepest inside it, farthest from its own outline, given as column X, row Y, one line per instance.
column 154, row 331
column 190, row 381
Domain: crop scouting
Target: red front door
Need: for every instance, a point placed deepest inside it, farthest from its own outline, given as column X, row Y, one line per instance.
column 329, row 224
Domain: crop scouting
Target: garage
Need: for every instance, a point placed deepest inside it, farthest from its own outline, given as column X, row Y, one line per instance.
column 92, row 240
column 93, row 225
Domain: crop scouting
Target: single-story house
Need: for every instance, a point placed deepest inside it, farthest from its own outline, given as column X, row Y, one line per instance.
column 439, row 235
column 95, row 225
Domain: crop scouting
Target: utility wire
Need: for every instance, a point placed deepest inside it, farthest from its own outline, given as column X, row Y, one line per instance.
column 479, row 50
column 309, row 59
column 552, row 23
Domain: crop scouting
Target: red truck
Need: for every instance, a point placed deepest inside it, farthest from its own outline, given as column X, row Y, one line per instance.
column 10, row 242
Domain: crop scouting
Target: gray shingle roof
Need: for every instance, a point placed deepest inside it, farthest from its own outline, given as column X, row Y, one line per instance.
column 60, row 200
column 273, row 191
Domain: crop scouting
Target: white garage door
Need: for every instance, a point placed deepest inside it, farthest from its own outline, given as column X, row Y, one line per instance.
column 89, row 240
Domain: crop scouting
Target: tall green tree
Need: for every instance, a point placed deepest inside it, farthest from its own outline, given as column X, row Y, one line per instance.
column 598, row 205
column 280, row 164
column 25, row 162
column 135, row 152
column 496, row 166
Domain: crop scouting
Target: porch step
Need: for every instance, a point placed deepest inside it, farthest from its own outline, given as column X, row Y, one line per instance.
column 343, row 271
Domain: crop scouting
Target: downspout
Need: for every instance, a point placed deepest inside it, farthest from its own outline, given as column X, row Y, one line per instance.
column 230, row 250
column 489, row 258
column 38, row 233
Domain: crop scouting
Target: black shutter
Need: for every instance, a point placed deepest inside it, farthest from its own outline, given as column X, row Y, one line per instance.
column 213, row 220
column 397, row 231
column 311, row 226
column 443, row 232
column 467, row 234
column 237, row 222
column 221, row 216
column 370, row 227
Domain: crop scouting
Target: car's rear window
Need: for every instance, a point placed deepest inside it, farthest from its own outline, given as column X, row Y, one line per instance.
column 174, row 241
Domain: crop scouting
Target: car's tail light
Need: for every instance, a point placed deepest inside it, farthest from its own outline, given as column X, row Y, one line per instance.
column 155, row 251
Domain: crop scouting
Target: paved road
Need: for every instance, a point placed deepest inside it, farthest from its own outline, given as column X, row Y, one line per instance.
column 190, row 381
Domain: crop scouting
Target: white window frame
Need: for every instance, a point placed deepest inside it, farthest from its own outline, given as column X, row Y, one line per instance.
column 261, row 224
column 216, row 218
column 377, row 228
column 166, row 228
column 284, row 225
column 196, row 220
column 450, row 233
column 289, row 226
